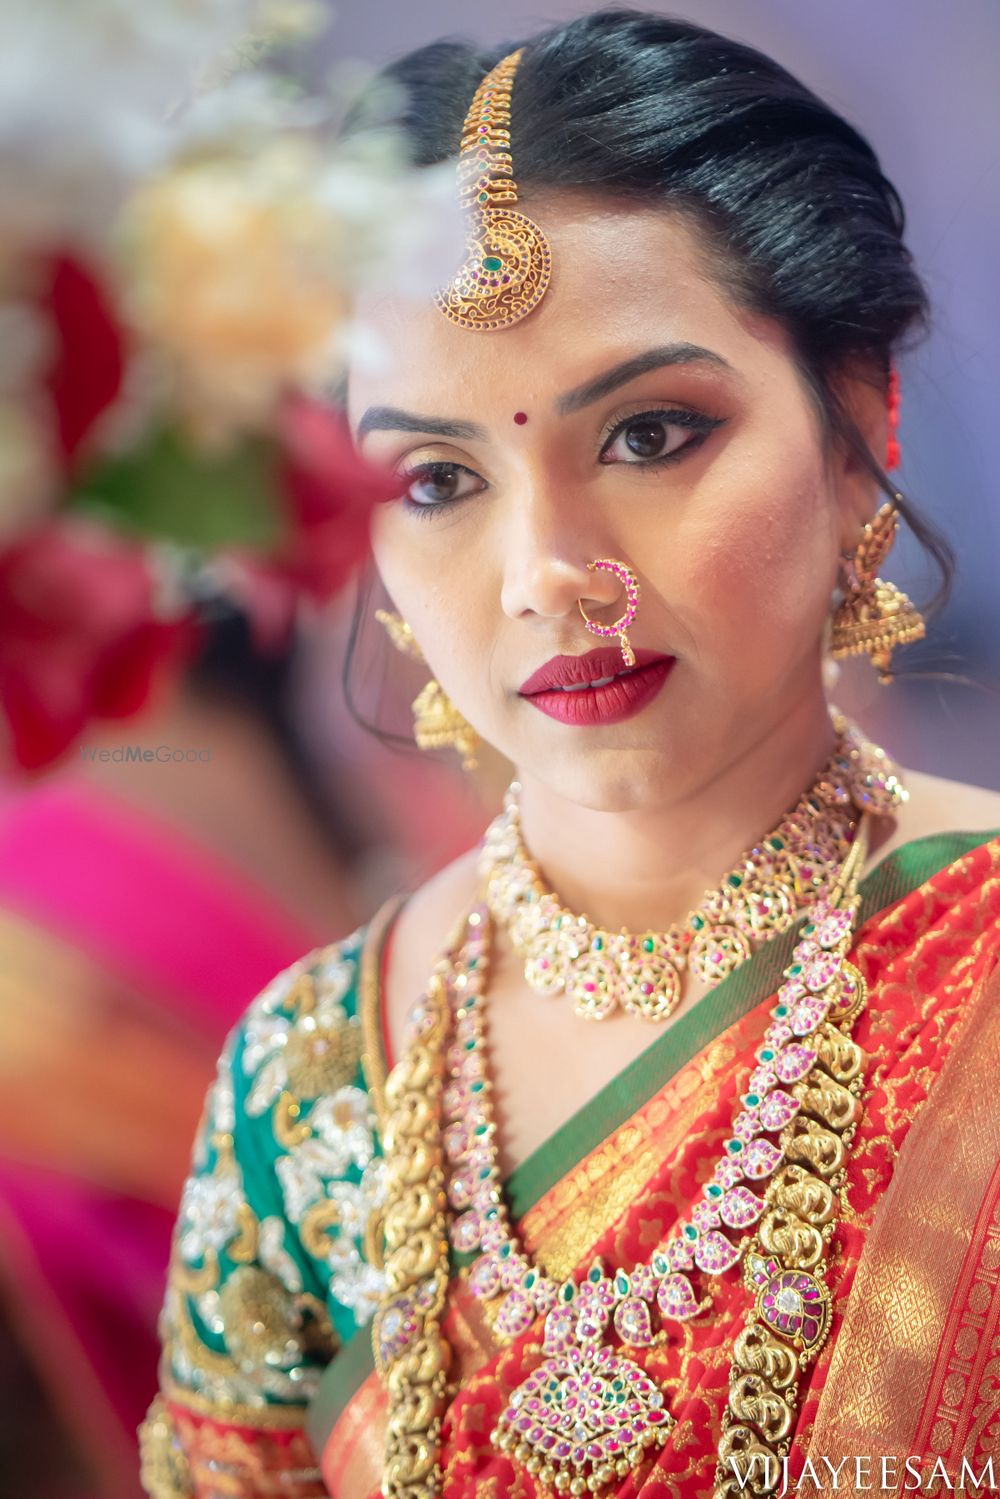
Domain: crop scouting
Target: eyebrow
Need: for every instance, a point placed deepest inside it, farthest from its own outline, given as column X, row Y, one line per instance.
column 640, row 364
column 393, row 419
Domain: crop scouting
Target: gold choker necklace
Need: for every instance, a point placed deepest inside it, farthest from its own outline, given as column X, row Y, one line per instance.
column 762, row 895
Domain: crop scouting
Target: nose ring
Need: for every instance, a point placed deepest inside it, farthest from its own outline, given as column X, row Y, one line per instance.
column 620, row 626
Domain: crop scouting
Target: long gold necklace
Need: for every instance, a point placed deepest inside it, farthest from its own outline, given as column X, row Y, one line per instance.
column 759, row 897
column 589, row 1411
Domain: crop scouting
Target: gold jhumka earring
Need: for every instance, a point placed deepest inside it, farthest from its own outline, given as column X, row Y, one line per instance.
column 875, row 617
column 437, row 723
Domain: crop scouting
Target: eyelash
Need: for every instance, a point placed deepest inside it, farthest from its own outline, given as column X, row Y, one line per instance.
column 701, row 424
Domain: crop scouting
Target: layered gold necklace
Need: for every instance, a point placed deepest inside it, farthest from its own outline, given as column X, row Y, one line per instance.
column 589, row 1413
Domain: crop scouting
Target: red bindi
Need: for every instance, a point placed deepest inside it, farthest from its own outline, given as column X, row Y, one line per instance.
column 520, row 417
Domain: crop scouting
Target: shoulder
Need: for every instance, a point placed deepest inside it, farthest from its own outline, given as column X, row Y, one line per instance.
column 940, row 805
column 937, row 805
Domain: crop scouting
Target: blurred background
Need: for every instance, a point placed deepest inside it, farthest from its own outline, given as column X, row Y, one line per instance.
column 145, row 897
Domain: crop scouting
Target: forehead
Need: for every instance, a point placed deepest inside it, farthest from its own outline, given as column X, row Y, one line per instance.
column 620, row 273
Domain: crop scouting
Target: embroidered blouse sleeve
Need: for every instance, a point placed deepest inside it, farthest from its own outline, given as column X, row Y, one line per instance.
column 269, row 1270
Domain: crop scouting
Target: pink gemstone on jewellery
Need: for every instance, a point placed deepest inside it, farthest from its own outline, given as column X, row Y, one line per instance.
column 644, row 1281
column 790, row 991
column 494, row 1234
column 821, row 971
column 679, row 1254
column 705, row 1215
column 778, row 1032
column 460, row 1189
column 777, row 1109
column 466, row 1232
column 808, row 1014
column 793, row 1062
column 676, row 1299
column 714, row 1253
column 740, row 1207
column 515, row 1315
column 761, row 1079
column 760, row 1158
column 484, row 1278
column 806, row 950
column 456, row 1141
column 454, row 1099
column 513, row 1270
column 728, row 1172
column 543, row 1294
column 747, row 1124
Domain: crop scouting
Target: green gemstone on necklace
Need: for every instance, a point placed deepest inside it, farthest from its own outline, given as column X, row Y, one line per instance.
column 776, row 843
column 598, row 944
column 529, row 1279
column 809, row 928
column 735, row 880
column 780, row 1010
column 504, row 1250
column 471, row 1044
column 660, row 1263
column 697, row 922
column 567, row 1292
column 794, row 970
column 648, row 944
column 492, row 263
column 751, row 1100
column 476, row 1087
column 622, row 1284
column 734, row 1146
column 690, row 1232
column 766, row 1055
column 596, row 1273
column 713, row 1190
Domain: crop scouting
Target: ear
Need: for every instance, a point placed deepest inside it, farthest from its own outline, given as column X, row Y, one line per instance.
column 865, row 398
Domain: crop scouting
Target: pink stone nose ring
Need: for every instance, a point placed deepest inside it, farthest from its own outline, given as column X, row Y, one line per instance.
column 620, row 626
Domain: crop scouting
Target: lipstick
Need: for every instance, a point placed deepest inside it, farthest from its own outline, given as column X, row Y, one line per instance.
column 595, row 688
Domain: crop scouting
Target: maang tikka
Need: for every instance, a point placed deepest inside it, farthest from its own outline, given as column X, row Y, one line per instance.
column 508, row 264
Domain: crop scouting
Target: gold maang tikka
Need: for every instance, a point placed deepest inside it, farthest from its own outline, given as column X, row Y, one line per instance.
column 875, row 617
column 508, row 264
column 437, row 723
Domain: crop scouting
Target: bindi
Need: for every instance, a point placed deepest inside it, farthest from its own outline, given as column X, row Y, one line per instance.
column 520, row 417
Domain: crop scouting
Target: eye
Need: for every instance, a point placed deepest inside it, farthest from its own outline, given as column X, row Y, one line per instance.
column 429, row 485
column 645, row 438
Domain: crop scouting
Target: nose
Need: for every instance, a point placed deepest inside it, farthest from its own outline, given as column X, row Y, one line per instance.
column 546, row 551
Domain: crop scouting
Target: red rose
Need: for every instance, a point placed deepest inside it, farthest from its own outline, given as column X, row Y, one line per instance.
column 79, row 636
column 329, row 492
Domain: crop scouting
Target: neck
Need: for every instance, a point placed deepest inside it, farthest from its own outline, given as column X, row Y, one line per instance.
column 646, row 868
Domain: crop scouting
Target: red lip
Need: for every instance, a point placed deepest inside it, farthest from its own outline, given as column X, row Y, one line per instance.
column 566, row 671
column 618, row 700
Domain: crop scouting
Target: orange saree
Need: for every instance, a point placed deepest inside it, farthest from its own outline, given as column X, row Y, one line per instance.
column 907, row 1384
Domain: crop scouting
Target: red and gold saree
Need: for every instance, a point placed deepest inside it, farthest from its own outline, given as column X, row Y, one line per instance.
column 911, row 1369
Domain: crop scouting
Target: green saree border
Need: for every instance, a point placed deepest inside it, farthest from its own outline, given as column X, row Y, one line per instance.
column 899, row 873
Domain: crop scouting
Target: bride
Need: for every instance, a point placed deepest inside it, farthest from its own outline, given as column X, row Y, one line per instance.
column 651, row 1199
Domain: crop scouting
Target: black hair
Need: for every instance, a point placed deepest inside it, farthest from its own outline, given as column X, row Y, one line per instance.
column 799, row 220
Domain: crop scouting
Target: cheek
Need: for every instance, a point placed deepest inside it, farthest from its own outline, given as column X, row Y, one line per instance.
column 764, row 574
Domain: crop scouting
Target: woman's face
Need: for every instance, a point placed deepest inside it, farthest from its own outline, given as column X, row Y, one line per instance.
column 526, row 459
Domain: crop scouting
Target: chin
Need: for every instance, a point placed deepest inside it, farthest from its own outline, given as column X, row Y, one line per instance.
column 612, row 780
